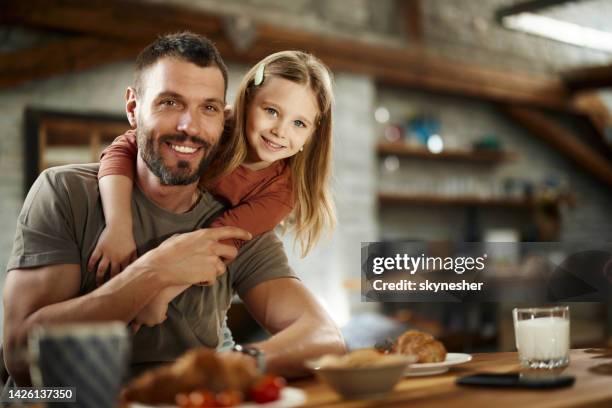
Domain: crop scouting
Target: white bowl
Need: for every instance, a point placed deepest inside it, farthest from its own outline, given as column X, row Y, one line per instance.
column 363, row 381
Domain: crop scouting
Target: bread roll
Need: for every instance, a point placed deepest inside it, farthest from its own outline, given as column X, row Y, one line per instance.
column 423, row 345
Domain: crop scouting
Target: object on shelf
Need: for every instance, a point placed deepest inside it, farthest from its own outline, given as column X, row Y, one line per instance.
column 381, row 115
column 391, row 164
column 435, row 144
column 528, row 189
column 512, row 188
column 393, row 134
column 556, row 189
column 421, row 128
column 518, row 188
column 488, row 142
column 554, row 186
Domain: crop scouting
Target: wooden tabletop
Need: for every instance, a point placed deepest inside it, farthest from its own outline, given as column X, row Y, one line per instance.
column 593, row 387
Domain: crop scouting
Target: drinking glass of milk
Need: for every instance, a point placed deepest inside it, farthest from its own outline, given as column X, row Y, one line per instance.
column 542, row 336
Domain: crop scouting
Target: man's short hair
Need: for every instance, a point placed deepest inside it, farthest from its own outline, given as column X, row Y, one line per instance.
column 185, row 45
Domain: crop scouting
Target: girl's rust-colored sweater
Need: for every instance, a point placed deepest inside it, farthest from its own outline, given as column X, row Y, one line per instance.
column 258, row 200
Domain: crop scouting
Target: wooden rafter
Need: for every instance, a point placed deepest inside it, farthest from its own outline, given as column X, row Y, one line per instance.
column 135, row 22
column 60, row 57
column 588, row 78
column 414, row 67
column 563, row 140
column 411, row 16
column 591, row 104
column 119, row 19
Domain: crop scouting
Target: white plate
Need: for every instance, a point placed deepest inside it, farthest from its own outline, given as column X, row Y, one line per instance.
column 418, row 369
column 290, row 397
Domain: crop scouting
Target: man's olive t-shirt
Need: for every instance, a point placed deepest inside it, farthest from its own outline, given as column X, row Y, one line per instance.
column 62, row 219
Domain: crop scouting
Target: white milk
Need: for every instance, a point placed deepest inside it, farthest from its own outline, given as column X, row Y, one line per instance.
column 542, row 338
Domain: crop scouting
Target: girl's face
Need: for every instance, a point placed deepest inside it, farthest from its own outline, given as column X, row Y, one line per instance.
column 280, row 119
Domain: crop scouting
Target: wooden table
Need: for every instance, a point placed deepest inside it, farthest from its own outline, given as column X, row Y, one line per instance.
column 593, row 387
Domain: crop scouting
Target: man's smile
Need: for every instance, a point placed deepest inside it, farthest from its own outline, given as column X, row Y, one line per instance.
column 184, row 149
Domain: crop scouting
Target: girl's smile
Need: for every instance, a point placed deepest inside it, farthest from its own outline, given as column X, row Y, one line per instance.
column 275, row 147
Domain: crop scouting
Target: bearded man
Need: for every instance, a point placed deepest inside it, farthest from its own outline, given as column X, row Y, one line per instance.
column 176, row 105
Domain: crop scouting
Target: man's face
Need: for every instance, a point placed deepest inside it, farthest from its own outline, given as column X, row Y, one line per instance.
column 179, row 118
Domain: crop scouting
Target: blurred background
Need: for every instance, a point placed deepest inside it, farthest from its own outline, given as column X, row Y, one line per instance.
column 455, row 120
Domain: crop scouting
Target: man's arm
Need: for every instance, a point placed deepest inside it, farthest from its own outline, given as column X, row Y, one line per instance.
column 46, row 295
column 37, row 296
column 300, row 326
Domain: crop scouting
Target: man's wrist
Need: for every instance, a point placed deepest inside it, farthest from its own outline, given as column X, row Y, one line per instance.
column 149, row 272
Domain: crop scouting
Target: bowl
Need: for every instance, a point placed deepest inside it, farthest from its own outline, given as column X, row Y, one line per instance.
column 362, row 380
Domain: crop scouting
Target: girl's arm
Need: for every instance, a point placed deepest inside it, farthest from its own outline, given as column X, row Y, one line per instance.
column 257, row 214
column 116, row 247
column 257, row 205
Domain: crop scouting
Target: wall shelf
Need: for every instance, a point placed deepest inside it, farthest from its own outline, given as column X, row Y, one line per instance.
column 435, row 199
column 480, row 156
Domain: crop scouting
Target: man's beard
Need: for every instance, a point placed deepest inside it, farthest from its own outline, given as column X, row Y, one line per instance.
column 181, row 175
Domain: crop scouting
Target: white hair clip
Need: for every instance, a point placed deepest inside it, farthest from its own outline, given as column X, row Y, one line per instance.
column 259, row 74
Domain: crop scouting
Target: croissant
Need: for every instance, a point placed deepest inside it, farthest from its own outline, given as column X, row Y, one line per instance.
column 423, row 345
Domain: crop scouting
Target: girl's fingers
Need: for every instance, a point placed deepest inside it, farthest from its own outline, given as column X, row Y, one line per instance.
column 114, row 269
column 135, row 327
column 102, row 267
column 222, row 233
column 93, row 260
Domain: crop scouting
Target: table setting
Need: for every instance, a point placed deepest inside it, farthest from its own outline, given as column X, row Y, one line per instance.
column 415, row 369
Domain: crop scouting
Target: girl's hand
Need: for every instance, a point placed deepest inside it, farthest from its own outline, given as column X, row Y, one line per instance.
column 115, row 249
column 134, row 327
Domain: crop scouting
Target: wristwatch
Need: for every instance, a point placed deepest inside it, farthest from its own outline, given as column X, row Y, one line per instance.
column 257, row 354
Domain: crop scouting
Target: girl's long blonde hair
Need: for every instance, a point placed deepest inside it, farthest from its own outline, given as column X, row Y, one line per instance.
column 311, row 168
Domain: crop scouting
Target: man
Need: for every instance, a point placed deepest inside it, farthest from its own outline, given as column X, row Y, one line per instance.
column 177, row 102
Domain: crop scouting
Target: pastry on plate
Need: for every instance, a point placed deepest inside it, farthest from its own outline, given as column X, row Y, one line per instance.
column 423, row 345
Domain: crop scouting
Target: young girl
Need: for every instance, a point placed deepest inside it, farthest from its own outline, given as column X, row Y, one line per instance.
column 282, row 165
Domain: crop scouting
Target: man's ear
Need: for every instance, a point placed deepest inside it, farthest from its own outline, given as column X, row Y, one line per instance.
column 130, row 106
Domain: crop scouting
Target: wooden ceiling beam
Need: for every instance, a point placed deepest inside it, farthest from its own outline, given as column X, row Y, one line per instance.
column 588, row 78
column 563, row 140
column 61, row 57
column 414, row 67
column 119, row 19
column 411, row 14
column 135, row 22
column 591, row 104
